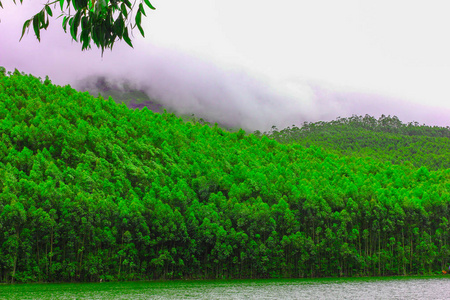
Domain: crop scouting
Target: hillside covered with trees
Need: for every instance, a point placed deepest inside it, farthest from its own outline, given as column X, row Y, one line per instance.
column 92, row 190
column 386, row 138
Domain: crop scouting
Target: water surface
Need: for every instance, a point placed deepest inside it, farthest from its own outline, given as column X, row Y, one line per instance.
column 437, row 287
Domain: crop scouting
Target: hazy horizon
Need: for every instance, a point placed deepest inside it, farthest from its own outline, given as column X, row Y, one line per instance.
column 256, row 65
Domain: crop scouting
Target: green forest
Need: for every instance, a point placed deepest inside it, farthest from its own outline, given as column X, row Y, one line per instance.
column 386, row 139
column 92, row 190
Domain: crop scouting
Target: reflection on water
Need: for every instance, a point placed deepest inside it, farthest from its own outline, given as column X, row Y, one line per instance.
column 362, row 288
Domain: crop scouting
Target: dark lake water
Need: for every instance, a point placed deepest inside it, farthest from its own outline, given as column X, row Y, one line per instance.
column 436, row 287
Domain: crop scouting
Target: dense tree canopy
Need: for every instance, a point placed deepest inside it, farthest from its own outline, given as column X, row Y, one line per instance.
column 102, row 22
column 92, row 190
column 385, row 138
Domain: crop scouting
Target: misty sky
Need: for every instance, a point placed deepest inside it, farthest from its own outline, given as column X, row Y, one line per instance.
column 260, row 63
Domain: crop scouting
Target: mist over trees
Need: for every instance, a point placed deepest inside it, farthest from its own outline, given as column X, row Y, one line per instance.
column 93, row 190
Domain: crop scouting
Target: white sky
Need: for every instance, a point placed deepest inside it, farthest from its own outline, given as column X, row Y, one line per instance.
column 397, row 48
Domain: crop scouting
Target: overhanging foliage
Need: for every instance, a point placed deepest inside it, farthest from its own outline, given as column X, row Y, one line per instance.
column 101, row 22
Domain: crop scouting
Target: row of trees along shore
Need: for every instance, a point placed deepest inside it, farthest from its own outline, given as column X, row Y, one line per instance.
column 92, row 190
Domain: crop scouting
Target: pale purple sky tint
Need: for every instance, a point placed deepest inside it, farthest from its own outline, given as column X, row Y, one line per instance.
column 261, row 63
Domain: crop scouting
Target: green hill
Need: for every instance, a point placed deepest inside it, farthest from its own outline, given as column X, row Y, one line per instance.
column 386, row 139
column 92, row 190
column 120, row 91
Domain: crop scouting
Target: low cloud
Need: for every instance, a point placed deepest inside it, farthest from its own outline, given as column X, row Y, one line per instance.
column 234, row 96
column 238, row 98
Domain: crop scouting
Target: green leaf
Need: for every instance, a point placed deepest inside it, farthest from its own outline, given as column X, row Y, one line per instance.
column 94, row 36
column 124, row 10
column 100, row 36
column 75, row 24
column 49, row 10
column 126, row 38
column 36, row 28
column 61, row 3
column 64, row 24
column 119, row 26
column 84, row 23
column 138, row 18
column 138, row 22
column 127, row 3
column 77, row 19
column 72, row 29
column 85, row 38
column 140, row 29
column 43, row 24
column 141, row 8
column 25, row 26
column 76, row 4
column 149, row 4
column 1, row 4
column 113, row 4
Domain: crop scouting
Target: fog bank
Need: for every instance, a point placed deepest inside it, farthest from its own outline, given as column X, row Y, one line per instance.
column 217, row 87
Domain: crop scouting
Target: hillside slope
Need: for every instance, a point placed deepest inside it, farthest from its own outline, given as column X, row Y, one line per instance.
column 120, row 91
column 385, row 139
column 92, row 190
